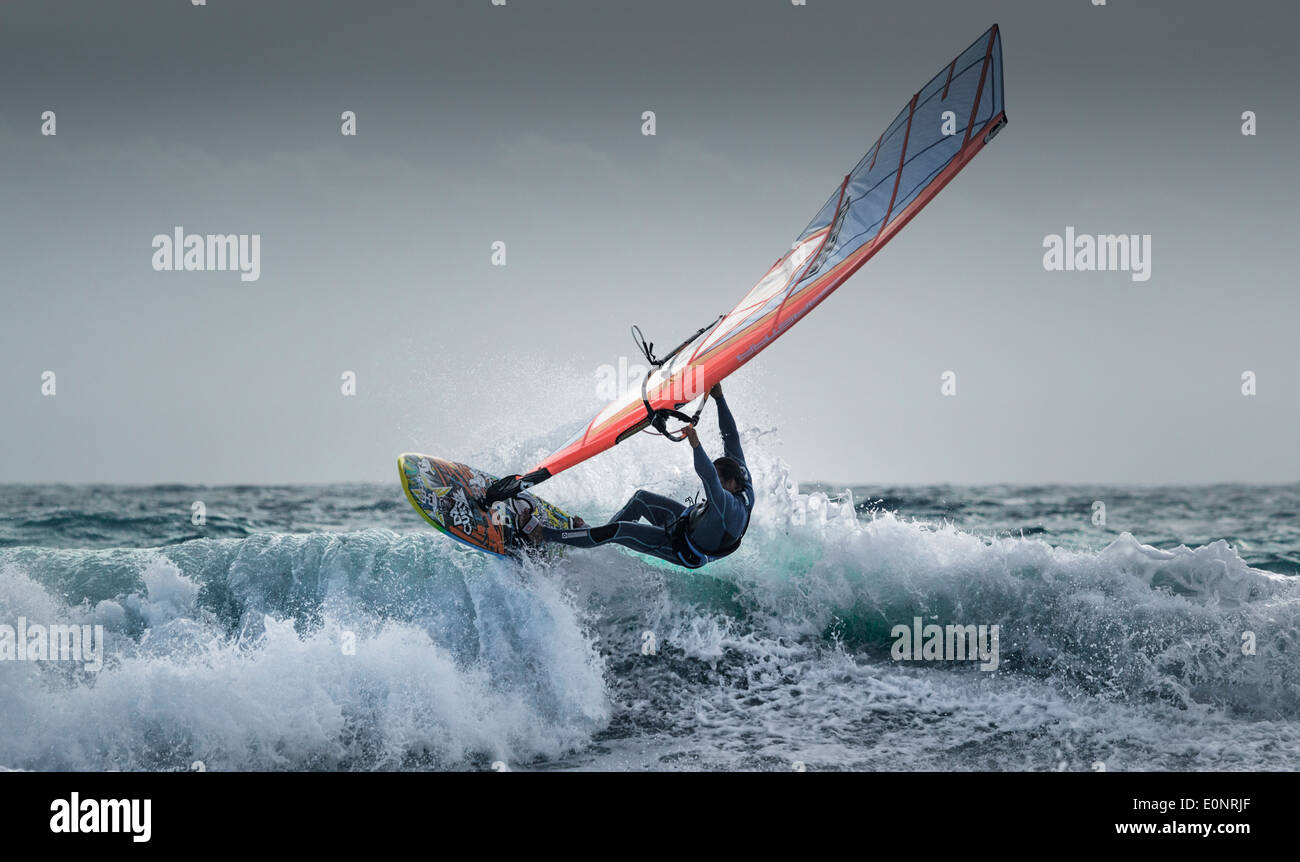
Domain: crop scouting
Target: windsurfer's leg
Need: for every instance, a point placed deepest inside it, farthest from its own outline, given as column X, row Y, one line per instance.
column 646, row 538
column 648, row 506
column 580, row 538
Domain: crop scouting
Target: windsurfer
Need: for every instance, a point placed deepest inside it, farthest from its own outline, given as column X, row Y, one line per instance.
column 688, row 535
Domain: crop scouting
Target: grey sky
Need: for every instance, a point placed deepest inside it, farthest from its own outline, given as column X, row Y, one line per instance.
column 522, row 124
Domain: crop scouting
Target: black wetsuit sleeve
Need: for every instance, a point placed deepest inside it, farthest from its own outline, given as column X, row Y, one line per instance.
column 709, row 476
column 730, row 434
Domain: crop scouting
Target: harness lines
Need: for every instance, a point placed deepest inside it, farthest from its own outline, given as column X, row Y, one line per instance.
column 659, row 418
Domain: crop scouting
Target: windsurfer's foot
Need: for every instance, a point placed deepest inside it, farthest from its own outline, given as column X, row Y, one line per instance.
column 526, row 523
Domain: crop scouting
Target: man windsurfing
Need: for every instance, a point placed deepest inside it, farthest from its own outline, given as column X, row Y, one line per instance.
column 687, row 535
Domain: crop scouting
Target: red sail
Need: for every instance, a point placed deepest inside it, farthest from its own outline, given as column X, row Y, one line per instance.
column 936, row 134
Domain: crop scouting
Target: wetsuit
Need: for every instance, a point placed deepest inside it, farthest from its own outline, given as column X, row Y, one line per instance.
column 685, row 535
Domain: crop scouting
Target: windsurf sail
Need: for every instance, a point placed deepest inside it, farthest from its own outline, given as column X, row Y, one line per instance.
column 936, row 134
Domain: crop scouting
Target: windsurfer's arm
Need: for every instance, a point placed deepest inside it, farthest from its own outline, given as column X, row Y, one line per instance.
column 705, row 470
column 727, row 425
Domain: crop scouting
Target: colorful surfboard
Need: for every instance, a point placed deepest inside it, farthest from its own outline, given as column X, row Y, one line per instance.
column 450, row 497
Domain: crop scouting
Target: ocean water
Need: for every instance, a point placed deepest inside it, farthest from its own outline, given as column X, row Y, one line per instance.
column 326, row 628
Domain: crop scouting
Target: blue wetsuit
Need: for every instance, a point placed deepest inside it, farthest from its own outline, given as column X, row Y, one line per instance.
column 725, row 516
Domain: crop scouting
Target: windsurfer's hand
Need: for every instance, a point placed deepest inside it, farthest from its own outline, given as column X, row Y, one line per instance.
column 692, row 436
column 716, row 391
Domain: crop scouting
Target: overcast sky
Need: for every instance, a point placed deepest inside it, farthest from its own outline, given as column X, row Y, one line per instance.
column 522, row 124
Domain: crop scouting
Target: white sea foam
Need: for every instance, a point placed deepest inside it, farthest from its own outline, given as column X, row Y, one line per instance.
column 292, row 696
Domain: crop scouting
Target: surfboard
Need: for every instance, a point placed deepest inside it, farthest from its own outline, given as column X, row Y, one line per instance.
column 450, row 496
